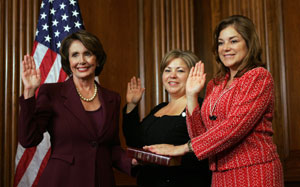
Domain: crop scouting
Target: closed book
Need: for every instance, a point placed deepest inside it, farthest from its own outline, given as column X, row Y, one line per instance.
column 148, row 157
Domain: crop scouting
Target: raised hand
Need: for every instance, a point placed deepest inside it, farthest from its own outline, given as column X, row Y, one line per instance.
column 194, row 85
column 134, row 93
column 31, row 76
column 196, row 80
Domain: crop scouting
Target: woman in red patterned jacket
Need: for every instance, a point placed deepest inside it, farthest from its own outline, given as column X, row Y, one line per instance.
column 233, row 128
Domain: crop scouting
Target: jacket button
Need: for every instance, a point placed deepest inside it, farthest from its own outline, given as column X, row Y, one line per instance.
column 94, row 143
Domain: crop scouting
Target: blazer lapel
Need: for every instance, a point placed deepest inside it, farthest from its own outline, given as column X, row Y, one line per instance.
column 106, row 101
column 74, row 105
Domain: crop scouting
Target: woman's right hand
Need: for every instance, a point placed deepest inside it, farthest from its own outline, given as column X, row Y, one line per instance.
column 31, row 76
column 134, row 93
column 168, row 149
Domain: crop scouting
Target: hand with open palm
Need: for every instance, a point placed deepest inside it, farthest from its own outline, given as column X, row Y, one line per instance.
column 31, row 77
column 134, row 93
column 196, row 80
column 194, row 85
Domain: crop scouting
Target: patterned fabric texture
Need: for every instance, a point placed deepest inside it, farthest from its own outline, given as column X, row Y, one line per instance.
column 262, row 175
column 241, row 135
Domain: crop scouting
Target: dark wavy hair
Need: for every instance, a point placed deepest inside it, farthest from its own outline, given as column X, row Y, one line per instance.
column 245, row 27
column 90, row 41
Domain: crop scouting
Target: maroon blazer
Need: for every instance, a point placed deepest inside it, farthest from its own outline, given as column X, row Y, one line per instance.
column 81, row 154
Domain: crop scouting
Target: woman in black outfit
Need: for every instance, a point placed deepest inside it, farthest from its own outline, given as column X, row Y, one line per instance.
column 166, row 123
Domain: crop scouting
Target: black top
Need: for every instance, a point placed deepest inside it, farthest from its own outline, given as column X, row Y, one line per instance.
column 169, row 130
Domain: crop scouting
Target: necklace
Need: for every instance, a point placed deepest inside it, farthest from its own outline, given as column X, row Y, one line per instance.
column 211, row 110
column 88, row 99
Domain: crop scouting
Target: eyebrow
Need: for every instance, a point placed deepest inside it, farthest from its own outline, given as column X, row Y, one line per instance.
column 74, row 52
column 230, row 38
column 175, row 67
column 86, row 51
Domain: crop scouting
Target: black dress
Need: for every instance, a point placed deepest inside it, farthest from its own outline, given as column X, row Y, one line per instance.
column 168, row 130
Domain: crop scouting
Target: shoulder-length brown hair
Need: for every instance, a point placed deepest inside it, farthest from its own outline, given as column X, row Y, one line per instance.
column 245, row 27
column 90, row 41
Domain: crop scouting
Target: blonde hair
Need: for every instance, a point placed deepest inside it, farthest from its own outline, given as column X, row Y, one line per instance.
column 187, row 56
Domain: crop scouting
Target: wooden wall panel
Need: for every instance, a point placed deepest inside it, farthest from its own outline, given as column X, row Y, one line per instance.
column 291, row 20
column 276, row 65
column 18, row 23
column 204, row 37
column 2, row 81
column 115, row 22
column 167, row 24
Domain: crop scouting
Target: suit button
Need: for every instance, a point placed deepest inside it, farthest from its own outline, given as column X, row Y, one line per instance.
column 94, row 143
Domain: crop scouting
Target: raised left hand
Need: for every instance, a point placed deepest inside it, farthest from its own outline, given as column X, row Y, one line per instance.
column 167, row 149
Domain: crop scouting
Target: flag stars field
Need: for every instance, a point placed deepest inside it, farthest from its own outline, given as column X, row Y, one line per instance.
column 45, row 26
column 58, row 45
column 72, row 2
column 57, row 19
column 43, row 16
column 52, row 11
column 64, row 17
column 62, row 6
column 47, row 38
column 75, row 13
column 77, row 24
column 67, row 28
column 54, row 23
column 57, row 33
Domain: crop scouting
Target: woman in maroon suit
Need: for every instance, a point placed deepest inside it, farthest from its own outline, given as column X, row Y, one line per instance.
column 233, row 128
column 81, row 117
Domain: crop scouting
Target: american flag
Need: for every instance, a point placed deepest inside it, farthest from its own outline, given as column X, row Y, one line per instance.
column 57, row 19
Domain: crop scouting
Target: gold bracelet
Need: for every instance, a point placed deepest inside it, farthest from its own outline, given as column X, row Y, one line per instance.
column 190, row 146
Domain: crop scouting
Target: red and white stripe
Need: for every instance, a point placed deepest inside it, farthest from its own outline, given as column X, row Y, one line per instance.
column 31, row 162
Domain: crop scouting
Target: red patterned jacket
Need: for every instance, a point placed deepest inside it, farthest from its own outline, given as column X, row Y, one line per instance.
column 242, row 133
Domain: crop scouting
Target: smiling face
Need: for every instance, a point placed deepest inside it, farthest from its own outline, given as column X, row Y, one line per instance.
column 232, row 48
column 82, row 61
column 174, row 77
